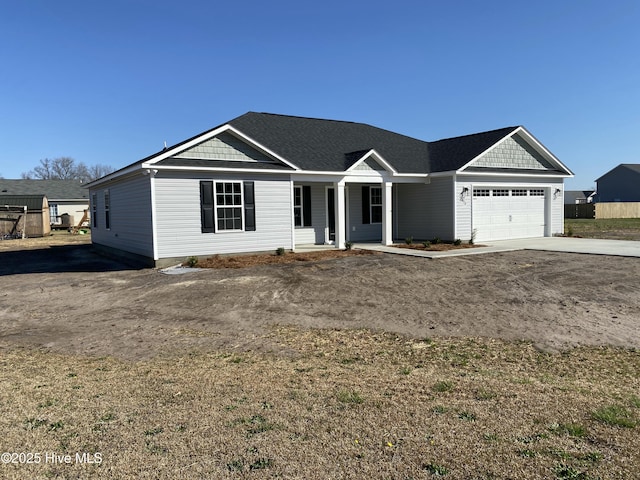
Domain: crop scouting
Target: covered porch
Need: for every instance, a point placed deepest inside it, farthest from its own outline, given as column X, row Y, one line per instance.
column 360, row 206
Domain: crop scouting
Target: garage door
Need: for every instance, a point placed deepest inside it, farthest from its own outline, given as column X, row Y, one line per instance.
column 501, row 213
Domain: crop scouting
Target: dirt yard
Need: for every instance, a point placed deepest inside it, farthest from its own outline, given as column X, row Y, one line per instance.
column 60, row 296
column 363, row 366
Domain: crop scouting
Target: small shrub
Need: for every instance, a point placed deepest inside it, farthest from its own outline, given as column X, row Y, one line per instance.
column 280, row 251
column 426, row 244
column 436, row 241
column 569, row 231
column 457, row 242
column 474, row 232
column 192, row 261
column 408, row 240
column 348, row 245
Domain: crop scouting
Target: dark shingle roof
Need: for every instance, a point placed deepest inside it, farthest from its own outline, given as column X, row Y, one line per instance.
column 53, row 189
column 331, row 145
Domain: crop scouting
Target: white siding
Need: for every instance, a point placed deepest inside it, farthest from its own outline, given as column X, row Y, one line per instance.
column 315, row 234
column 463, row 210
column 357, row 231
column 130, row 214
column 179, row 223
column 426, row 211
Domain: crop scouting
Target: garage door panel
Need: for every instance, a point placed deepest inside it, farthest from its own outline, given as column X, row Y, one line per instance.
column 517, row 214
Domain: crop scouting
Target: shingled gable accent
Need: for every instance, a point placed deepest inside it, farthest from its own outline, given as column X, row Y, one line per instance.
column 363, row 159
column 526, row 155
column 186, row 153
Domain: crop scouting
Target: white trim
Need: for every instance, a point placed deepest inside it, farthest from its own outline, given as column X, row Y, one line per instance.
column 154, row 220
column 514, row 174
column 218, row 169
column 216, row 206
column 293, row 227
column 532, row 141
column 327, row 240
column 381, row 204
column 171, row 151
column 377, row 157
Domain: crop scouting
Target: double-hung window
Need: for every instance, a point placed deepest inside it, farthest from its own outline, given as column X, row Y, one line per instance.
column 302, row 206
column 228, row 206
column 376, row 204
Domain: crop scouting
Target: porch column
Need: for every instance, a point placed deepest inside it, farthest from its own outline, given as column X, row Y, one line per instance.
column 341, row 233
column 387, row 232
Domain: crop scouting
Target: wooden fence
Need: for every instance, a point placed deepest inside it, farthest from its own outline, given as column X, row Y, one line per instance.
column 580, row 210
column 618, row 210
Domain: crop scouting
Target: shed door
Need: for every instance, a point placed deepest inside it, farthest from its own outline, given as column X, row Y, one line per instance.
column 502, row 213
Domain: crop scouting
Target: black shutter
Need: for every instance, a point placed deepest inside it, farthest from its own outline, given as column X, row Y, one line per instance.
column 206, row 207
column 249, row 207
column 306, row 205
column 366, row 204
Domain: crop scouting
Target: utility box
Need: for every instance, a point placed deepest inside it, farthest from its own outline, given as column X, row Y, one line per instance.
column 67, row 220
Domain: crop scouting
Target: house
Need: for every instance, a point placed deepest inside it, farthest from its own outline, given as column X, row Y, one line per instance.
column 578, row 197
column 66, row 197
column 621, row 184
column 24, row 214
column 263, row 181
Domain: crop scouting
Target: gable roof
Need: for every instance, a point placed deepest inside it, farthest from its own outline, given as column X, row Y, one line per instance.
column 634, row 167
column 55, row 190
column 318, row 145
column 331, row 145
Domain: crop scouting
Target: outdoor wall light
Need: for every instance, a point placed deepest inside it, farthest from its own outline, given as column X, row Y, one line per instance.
column 556, row 193
column 464, row 193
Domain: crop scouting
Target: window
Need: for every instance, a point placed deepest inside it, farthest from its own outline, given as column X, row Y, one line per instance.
column 94, row 210
column 107, row 208
column 53, row 213
column 376, row 204
column 480, row 192
column 536, row 192
column 519, row 192
column 302, row 206
column 500, row 192
column 228, row 206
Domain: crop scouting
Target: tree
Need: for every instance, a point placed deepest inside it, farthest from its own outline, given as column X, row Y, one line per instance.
column 66, row 168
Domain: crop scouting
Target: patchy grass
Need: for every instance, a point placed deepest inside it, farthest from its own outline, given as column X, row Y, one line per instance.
column 509, row 411
column 607, row 228
column 252, row 260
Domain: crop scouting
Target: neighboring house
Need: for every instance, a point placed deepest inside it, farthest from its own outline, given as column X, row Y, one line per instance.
column 621, row 184
column 573, row 197
column 65, row 196
column 36, row 221
column 263, row 181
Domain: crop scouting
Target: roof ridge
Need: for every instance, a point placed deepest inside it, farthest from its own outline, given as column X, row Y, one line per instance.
column 477, row 133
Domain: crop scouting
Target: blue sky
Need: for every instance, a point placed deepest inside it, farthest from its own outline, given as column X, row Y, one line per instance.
column 110, row 82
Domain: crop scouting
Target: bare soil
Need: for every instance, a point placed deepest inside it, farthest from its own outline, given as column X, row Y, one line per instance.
column 65, row 298
column 362, row 366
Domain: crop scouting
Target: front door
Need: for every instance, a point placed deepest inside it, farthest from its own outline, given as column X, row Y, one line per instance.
column 331, row 214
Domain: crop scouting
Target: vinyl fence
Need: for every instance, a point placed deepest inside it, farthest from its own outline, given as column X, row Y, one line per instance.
column 580, row 210
column 618, row 210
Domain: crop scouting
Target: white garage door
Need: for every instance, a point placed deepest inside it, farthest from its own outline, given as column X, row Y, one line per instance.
column 501, row 213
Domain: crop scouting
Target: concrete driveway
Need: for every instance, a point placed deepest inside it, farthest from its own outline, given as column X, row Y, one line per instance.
column 623, row 248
